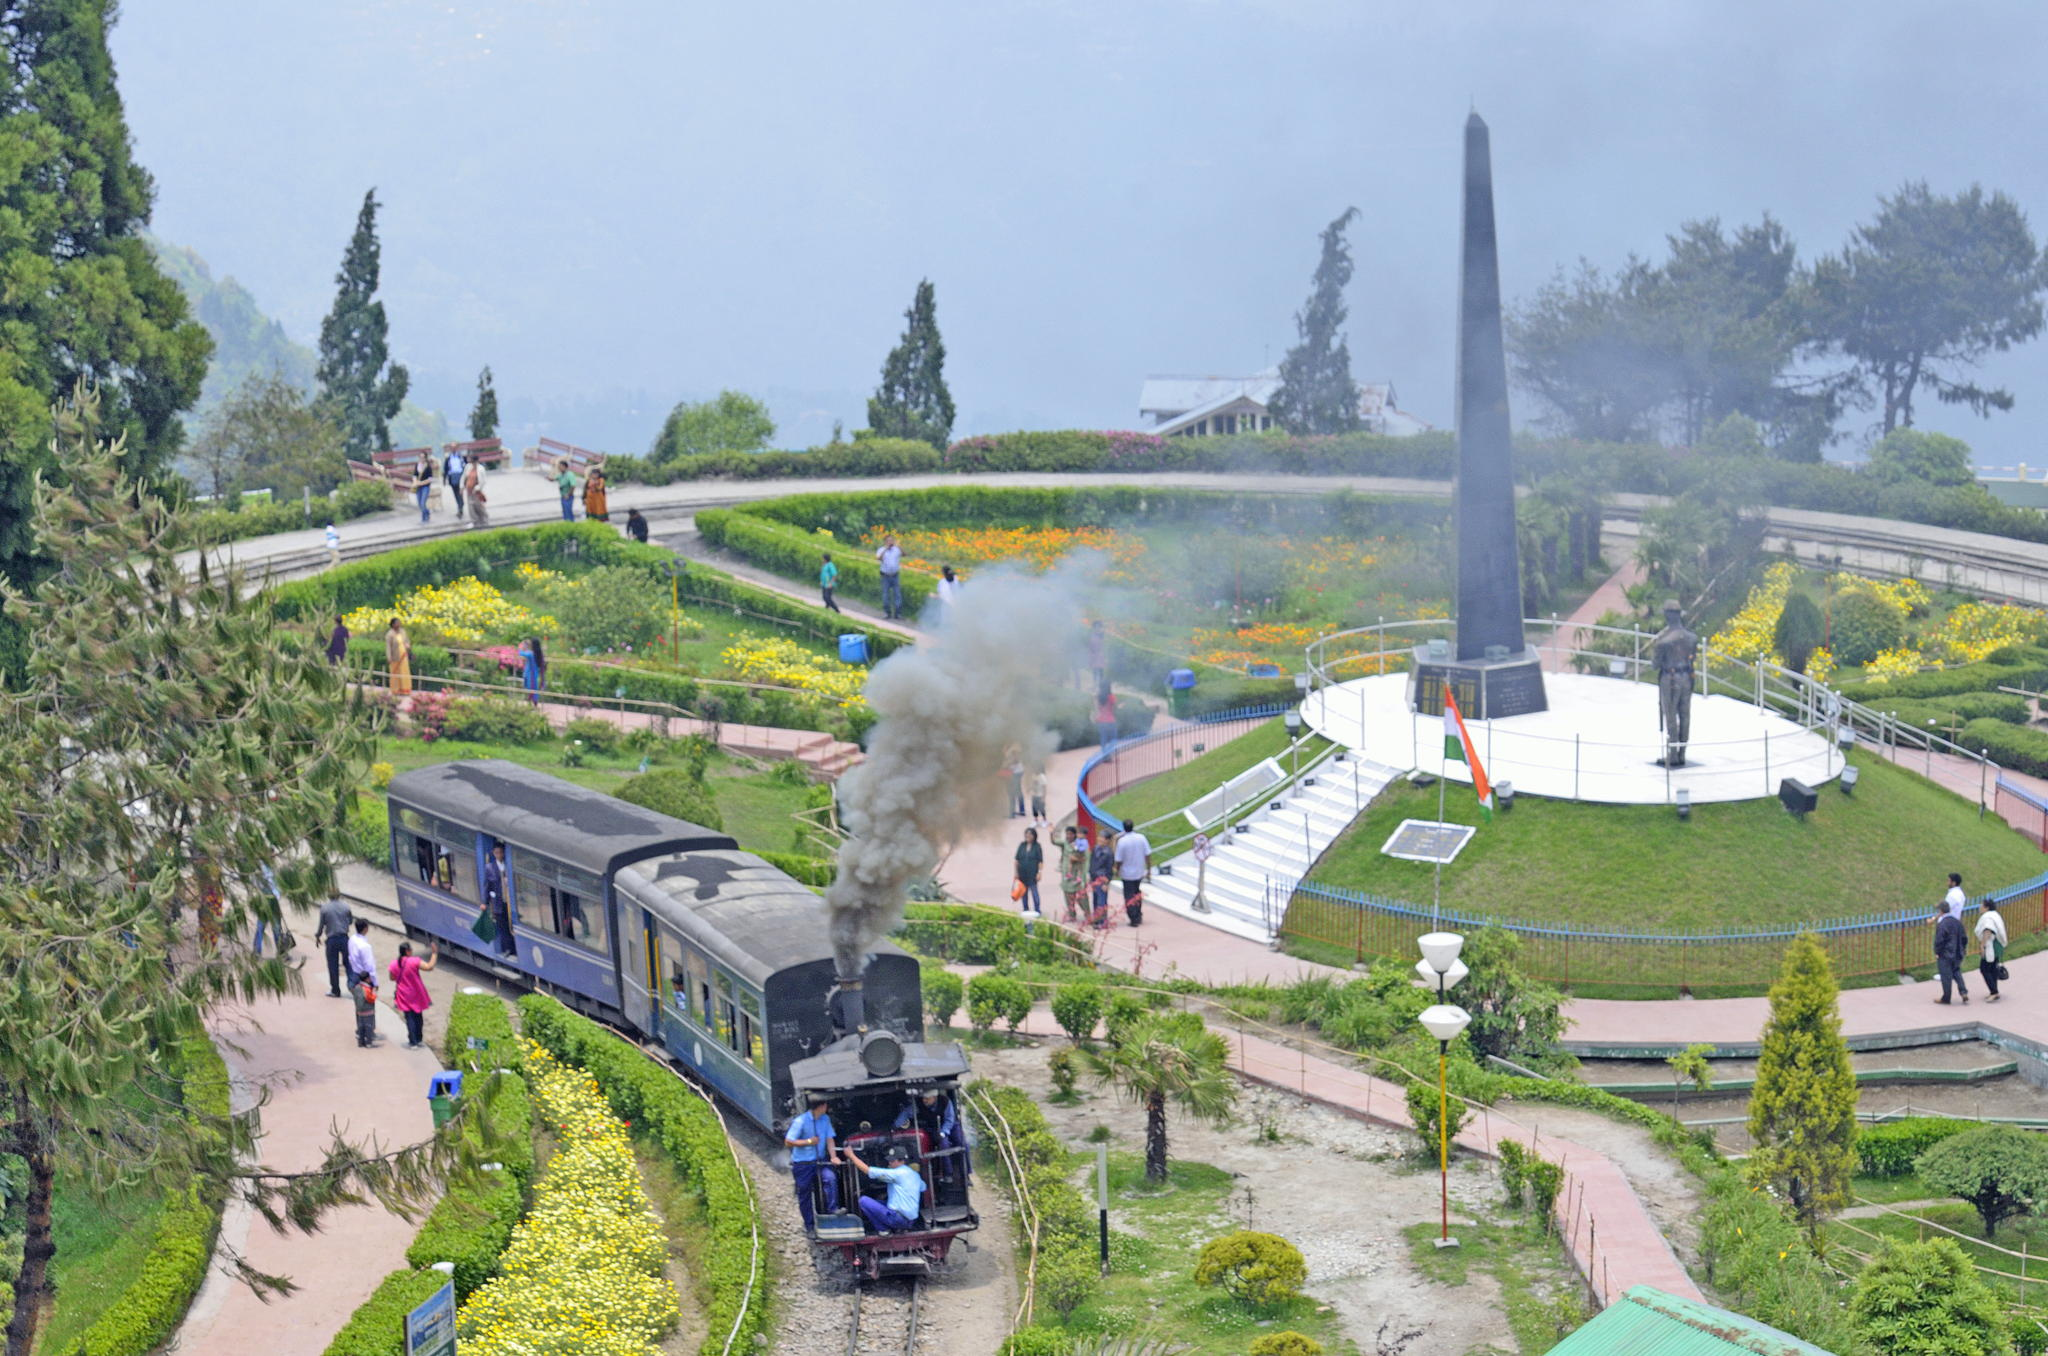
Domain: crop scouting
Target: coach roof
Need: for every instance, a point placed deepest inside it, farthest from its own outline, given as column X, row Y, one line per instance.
column 586, row 829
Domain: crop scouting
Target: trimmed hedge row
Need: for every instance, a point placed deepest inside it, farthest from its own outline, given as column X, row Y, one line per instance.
column 812, row 871
column 357, row 499
column 480, row 1016
column 1959, row 709
column 868, row 457
column 646, row 1095
column 377, row 1327
column 2016, row 747
column 1066, row 1226
column 797, row 553
column 1891, row 1149
column 153, row 1305
column 976, row 934
column 2014, row 666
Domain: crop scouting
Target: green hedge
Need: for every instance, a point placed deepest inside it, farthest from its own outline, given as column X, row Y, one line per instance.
column 796, row 553
column 153, row 1305
column 1959, row 709
column 428, row 661
column 381, row 578
column 2015, row 666
column 2018, row 748
column 471, row 1228
column 657, row 1102
column 253, row 518
column 976, row 934
column 868, row 457
column 377, row 1327
column 482, row 1015
column 812, row 871
column 1890, row 1150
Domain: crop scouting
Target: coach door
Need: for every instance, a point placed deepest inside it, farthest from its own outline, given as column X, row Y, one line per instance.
column 636, row 966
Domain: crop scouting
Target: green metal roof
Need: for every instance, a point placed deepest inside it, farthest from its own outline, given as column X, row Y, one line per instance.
column 1648, row 1322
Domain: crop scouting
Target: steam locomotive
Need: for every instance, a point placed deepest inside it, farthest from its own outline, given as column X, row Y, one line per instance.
column 667, row 930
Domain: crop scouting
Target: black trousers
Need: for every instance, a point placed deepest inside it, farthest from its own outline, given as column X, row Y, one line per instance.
column 1950, row 970
column 1987, row 970
column 337, row 947
column 828, row 599
column 415, row 1027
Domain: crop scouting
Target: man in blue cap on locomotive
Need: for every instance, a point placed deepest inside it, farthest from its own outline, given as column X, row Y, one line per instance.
column 906, row 1187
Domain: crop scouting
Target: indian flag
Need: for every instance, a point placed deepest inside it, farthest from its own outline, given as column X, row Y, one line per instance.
column 1458, row 747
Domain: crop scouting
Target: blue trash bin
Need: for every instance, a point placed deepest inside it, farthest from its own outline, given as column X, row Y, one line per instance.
column 1180, row 684
column 444, row 1089
column 853, row 648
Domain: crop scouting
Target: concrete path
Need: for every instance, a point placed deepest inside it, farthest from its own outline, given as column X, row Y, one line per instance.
column 300, row 1052
column 1611, row 596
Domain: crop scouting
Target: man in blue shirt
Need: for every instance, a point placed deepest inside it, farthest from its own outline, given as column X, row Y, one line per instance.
column 936, row 1117
column 906, row 1186
column 813, row 1149
column 889, row 560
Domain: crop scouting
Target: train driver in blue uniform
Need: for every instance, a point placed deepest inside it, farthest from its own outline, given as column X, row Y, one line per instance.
column 936, row 1116
column 813, row 1151
column 906, row 1186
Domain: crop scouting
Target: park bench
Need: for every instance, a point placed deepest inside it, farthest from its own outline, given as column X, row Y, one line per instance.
column 483, row 451
column 363, row 470
column 397, row 463
column 549, row 456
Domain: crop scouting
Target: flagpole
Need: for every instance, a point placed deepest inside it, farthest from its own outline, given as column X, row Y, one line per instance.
column 1436, row 903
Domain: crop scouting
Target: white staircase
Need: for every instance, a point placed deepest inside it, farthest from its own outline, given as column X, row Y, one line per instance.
column 1270, row 850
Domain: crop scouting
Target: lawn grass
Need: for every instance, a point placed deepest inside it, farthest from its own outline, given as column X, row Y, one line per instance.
column 1537, row 1288
column 1198, row 776
column 1157, row 1235
column 101, row 1243
column 2023, row 1233
column 1735, row 866
column 1889, row 1190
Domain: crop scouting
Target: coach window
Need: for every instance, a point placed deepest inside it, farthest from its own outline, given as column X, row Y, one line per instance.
column 724, row 1015
column 751, row 1048
column 699, row 1003
column 438, row 853
column 675, row 983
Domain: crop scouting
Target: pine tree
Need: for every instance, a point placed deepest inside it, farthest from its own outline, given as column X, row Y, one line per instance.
column 1802, row 1114
column 352, row 369
column 1317, row 394
column 483, row 419
column 85, row 297
column 912, row 401
column 170, row 736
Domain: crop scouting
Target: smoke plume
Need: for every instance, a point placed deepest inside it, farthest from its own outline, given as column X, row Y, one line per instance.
column 948, row 710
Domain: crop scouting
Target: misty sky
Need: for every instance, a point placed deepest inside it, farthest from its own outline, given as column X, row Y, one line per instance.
column 621, row 203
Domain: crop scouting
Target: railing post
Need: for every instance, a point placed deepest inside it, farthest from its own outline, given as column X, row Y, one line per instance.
column 1575, row 766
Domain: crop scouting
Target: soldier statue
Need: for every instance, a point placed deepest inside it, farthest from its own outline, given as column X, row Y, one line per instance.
column 1675, row 649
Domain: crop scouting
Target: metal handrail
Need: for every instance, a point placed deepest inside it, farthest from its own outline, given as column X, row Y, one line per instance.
column 1095, row 812
column 1237, row 811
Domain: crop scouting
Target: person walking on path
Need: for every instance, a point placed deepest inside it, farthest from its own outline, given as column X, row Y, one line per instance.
column 1030, row 861
column 1101, row 866
column 1013, row 768
column 1074, row 873
column 337, row 642
column 565, row 486
column 636, row 526
column 409, row 992
column 333, row 535
column 422, row 483
column 332, row 931
column 828, row 579
column 533, row 671
column 398, row 658
column 813, row 1152
column 473, row 487
column 596, row 506
column 1990, row 948
column 1039, row 789
column 889, row 558
column 452, row 471
column 1950, row 944
column 1105, row 715
column 1134, row 868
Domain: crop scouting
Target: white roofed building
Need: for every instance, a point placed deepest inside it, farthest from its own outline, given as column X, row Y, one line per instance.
column 1193, row 406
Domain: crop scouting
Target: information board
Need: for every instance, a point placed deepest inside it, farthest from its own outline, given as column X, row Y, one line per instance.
column 430, row 1329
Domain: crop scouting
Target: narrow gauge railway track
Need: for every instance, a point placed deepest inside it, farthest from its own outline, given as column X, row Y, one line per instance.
column 883, row 1318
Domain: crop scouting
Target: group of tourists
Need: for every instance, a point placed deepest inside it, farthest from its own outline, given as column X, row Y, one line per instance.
column 464, row 477
column 596, row 504
column 349, row 956
column 889, row 566
column 1123, row 855
column 815, row 1154
column 1952, row 944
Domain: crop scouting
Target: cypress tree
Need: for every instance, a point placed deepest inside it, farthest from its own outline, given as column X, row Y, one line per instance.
column 912, row 401
column 352, row 345
column 1799, row 632
column 84, row 297
column 483, row 419
column 1317, row 394
column 1802, row 1114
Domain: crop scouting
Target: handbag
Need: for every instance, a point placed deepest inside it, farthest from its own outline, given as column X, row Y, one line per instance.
column 485, row 927
column 1017, row 890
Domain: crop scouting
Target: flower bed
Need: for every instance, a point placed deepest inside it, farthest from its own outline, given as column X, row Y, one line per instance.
column 791, row 665
column 1037, row 549
column 584, row 1269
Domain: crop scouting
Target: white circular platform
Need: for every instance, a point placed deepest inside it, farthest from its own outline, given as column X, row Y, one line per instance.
column 1597, row 742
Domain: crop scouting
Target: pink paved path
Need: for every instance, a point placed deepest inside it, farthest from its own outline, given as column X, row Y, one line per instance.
column 305, row 1054
column 1611, row 596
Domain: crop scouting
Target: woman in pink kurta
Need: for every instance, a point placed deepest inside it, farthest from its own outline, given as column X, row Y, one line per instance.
column 409, row 992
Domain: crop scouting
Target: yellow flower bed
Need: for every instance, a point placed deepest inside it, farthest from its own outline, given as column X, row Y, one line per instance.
column 583, row 1274
column 1907, row 597
column 465, row 613
column 790, row 664
column 1894, row 663
column 1751, row 634
column 1974, row 630
column 1820, row 665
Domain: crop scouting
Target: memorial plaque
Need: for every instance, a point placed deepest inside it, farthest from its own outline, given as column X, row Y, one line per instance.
column 1486, row 689
column 1427, row 840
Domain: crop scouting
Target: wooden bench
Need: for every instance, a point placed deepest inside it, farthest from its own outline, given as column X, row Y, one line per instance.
column 397, row 462
column 550, row 455
column 363, row 470
column 483, row 451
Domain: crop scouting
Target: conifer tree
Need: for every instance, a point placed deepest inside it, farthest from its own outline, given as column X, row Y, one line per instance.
column 1802, row 1114
column 483, row 418
column 84, row 297
column 1317, row 394
column 1926, row 1299
column 165, row 737
column 912, row 401
column 353, row 353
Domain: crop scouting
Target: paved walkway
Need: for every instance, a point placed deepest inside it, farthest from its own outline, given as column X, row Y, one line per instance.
column 300, row 1051
column 1611, row 596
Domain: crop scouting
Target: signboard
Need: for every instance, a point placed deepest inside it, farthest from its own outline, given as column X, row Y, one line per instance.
column 1202, row 847
column 430, row 1329
column 1426, row 840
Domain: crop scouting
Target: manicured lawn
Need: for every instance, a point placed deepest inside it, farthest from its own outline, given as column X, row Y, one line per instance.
column 101, row 1243
column 1745, row 865
column 1196, row 777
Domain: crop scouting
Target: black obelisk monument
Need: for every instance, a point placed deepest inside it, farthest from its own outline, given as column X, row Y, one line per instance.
column 1493, row 671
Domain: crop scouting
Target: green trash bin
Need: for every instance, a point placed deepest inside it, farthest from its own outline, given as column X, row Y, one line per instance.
column 1180, row 688
column 444, row 1090
column 444, row 1110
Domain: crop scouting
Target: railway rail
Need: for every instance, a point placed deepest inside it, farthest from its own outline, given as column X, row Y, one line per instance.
column 881, row 1311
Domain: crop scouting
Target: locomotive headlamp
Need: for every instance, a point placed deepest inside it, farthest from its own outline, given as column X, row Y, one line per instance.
column 881, row 1054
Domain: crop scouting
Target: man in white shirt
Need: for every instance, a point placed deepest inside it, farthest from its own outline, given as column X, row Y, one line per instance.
column 1133, row 866
column 362, row 963
column 1952, row 902
column 453, row 469
column 333, row 546
column 889, row 558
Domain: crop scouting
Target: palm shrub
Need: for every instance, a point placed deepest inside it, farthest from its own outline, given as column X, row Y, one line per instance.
column 1257, row 1269
column 1077, row 1008
column 1163, row 1058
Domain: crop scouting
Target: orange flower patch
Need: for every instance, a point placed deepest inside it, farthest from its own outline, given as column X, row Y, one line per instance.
column 1037, row 549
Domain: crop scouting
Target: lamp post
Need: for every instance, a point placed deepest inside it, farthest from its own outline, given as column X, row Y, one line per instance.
column 1292, row 720
column 1443, row 1020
